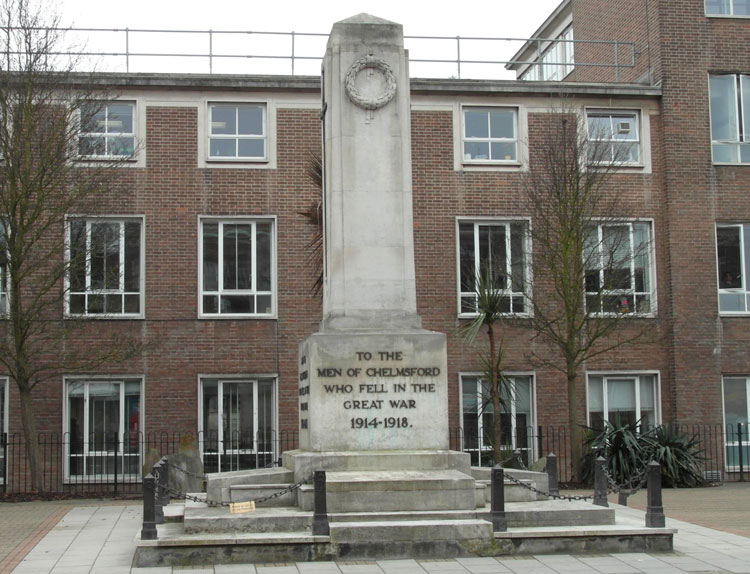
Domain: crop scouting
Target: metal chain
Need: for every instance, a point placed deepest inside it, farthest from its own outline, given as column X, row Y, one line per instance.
column 203, row 477
column 543, row 493
column 183, row 496
column 631, row 487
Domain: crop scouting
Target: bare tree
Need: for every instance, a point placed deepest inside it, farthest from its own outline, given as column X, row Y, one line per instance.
column 43, row 101
column 591, row 261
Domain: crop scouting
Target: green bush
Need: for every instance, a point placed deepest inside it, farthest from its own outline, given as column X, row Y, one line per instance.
column 628, row 452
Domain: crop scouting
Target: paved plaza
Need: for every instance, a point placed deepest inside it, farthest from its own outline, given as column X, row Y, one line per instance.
column 98, row 537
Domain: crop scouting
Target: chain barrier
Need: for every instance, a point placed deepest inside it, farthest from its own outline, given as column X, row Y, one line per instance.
column 517, row 457
column 629, row 488
column 202, row 477
column 214, row 503
column 547, row 494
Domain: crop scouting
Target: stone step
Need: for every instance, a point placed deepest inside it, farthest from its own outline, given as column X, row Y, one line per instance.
column 409, row 530
column 303, row 463
column 394, row 490
column 201, row 518
column 245, row 492
column 217, row 484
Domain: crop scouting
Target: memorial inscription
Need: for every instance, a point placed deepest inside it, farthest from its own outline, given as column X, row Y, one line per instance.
column 374, row 395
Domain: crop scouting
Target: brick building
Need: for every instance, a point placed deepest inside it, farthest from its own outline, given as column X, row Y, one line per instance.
column 205, row 252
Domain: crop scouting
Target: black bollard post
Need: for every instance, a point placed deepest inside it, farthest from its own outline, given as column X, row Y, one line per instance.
column 320, row 512
column 600, row 482
column 497, row 500
column 148, row 529
column 654, row 508
column 739, row 452
column 554, row 489
column 161, row 472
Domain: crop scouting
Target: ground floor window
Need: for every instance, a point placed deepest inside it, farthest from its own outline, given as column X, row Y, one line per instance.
column 737, row 412
column 623, row 399
column 516, row 419
column 3, row 425
column 238, row 423
column 103, row 428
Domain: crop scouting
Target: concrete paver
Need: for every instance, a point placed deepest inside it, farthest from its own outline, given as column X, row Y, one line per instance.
column 98, row 537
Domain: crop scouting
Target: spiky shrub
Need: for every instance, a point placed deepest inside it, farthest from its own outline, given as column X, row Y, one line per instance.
column 678, row 454
column 624, row 448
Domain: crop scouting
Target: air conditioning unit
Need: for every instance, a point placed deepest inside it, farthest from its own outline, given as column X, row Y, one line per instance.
column 623, row 128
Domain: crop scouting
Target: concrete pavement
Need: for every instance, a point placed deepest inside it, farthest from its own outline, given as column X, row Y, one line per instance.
column 99, row 537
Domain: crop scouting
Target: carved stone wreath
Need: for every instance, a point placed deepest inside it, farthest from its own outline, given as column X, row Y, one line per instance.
column 356, row 97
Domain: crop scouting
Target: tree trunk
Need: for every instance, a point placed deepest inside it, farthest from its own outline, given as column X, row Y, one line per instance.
column 30, row 436
column 495, row 397
column 576, row 441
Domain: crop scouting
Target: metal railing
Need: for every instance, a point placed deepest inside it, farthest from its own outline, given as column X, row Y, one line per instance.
column 274, row 53
column 115, row 466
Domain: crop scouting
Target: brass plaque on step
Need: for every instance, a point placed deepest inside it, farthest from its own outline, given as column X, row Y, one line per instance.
column 238, row 507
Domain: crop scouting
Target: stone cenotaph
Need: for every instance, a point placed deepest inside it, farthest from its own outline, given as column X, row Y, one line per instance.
column 372, row 382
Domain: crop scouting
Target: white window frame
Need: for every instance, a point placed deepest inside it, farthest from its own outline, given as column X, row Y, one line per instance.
column 237, row 137
column 526, row 253
column 242, row 220
column 235, row 379
column 106, row 379
column 4, row 278
column 741, row 136
column 650, row 253
column 746, row 439
column 729, row 14
column 626, row 374
column 482, row 448
column 611, row 143
column 88, row 292
column 490, row 140
column 4, row 383
column 556, row 62
column 744, row 288
column 106, row 135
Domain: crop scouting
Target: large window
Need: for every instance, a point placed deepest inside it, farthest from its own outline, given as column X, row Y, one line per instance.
column 490, row 135
column 728, row 7
column 105, row 275
column 623, row 399
column 103, row 429
column 497, row 248
column 732, row 253
column 237, row 267
column 237, row 423
column 619, row 268
column 3, row 272
column 730, row 123
column 237, row 131
column 3, row 423
column 613, row 137
column 737, row 412
column 516, row 420
column 107, row 130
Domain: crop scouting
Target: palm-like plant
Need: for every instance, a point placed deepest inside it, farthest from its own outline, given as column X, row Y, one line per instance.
column 491, row 303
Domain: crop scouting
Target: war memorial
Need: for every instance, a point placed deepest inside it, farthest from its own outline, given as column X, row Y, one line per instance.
column 373, row 404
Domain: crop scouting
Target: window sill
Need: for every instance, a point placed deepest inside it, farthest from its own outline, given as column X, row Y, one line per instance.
column 237, row 317
column 467, row 316
column 105, row 317
column 237, row 160
column 729, row 16
column 736, row 314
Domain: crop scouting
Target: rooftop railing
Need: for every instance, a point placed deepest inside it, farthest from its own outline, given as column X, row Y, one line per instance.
column 133, row 50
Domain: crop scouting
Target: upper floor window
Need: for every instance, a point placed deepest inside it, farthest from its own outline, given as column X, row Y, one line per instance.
column 490, row 135
column 613, row 137
column 498, row 248
column 237, row 131
column 105, row 272
column 107, row 130
column 624, row 399
column 728, row 7
column 556, row 62
column 237, row 267
column 730, row 118
column 732, row 254
column 619, row 269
